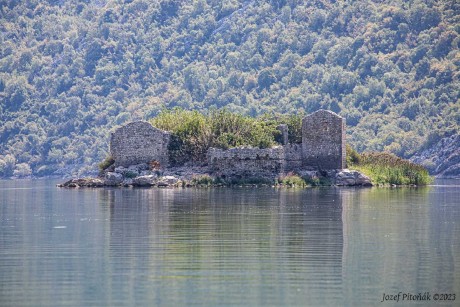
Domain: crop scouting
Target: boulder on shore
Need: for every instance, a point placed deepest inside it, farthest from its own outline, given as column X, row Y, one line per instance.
column 144, row 181
column 113, row 179
column 82, row 182
column 347, row 177
column 138, row 176
column 169, row 179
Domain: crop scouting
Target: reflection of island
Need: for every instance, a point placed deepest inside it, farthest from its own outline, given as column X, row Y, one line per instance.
column 249, row 245
column 268, row 246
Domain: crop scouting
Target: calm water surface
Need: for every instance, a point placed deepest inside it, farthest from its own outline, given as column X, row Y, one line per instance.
column 226, row 247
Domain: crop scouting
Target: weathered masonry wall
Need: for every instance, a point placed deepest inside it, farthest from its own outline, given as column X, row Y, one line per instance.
column 322, row 147
column 292, row 157
column 246, row 162
column 323, row 140
column 139, row 142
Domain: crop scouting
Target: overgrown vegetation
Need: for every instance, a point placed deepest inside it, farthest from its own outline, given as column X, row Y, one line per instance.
column 202, row 180
column 106, row 163
column 386, row 168
column 193, row 133
column 248, row 181
column 292, row 180
column 71, row 71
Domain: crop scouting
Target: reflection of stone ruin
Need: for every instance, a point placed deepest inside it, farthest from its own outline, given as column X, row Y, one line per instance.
column 322, row 148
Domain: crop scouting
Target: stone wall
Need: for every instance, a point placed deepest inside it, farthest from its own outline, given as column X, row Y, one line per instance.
column 139, row 142
column 323, row 147
column 323, row 140
column 246, row 162
column 292, row 157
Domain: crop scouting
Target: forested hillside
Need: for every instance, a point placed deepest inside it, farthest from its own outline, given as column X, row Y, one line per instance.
column 71, row 71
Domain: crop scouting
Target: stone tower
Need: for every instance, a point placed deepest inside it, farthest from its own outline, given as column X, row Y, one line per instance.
column 139, row 142
column 323, row 140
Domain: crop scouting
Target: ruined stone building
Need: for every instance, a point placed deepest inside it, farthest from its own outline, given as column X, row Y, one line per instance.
column 322, row 148
column 323, row 140
column 139, row 142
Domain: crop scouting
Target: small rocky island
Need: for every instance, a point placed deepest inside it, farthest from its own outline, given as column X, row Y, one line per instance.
column 140, row 157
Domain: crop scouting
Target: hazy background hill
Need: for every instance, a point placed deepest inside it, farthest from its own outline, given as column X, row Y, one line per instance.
column 70, row 71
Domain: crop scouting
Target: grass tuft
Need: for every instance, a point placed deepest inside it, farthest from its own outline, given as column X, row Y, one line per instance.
column 292, row 180
column 108, row 161
column 386, row 168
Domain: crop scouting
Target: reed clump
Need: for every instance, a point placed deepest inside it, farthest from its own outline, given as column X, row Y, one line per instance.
column 386, row 168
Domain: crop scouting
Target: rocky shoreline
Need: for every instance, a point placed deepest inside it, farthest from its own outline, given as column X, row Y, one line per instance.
column 141, row 175
column 442, row 159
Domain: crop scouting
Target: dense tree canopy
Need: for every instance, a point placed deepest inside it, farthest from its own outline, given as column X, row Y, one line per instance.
column 72, row 70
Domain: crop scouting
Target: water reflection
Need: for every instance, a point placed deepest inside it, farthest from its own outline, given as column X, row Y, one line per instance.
column 49, row 245
column 247, row 245
column 225, row 246
column 400, row 240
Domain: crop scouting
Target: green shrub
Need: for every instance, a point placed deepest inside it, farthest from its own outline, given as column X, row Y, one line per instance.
column 318, row 181
column 312, row 181
column 353, row 157
column 108, row 161
column 204, row 179
column 194, row 133
column 294, row 123
column 386, row 168
column 249, row 180
column 220, row 180
column 292, row 180
column 191, row 135
column 130, row 174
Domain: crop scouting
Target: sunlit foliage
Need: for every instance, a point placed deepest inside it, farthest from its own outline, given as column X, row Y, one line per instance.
column 71, row 71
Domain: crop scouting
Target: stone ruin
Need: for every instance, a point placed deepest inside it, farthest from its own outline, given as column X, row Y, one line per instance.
column 323, row 140
column 322, row 148
column 246, row 162
column 139, row 142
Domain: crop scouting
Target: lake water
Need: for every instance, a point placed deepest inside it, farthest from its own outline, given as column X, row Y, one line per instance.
column 226, row 246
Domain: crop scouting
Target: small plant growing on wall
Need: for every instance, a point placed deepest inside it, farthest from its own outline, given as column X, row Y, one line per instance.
column 108, row 161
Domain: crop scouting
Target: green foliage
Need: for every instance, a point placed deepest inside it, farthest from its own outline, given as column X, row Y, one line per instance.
column 386, row 168
column 194, row 133
column 131, row 174
column 191, row 134
column 202, row 180
column 75, row 69
column 7, row 165
column 232, row 130
column 313, row 181
column 108, row 161
column 317, row 181
column 292, row 180
column 353, row 157
column 22, row 170
column 248, row 181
